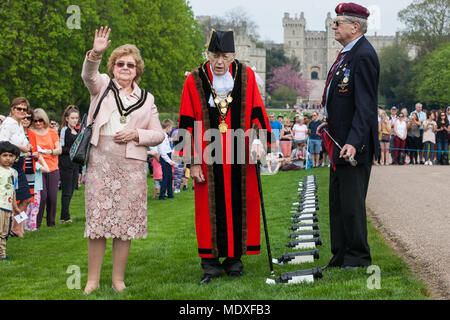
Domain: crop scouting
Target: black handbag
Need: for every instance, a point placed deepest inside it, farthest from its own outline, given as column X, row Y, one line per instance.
column 79, row 151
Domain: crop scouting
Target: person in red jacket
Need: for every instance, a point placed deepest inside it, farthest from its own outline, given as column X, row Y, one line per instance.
column 221, row 96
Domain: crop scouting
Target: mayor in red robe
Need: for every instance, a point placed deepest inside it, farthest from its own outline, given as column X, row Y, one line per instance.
column 221, row 102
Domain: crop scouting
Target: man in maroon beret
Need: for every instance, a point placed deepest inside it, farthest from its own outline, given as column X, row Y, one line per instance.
column 350, row 101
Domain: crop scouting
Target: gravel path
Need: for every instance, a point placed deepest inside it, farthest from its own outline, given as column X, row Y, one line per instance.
column 410, row 205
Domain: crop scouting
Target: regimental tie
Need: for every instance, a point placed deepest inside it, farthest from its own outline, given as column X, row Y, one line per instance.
column 338, row 61
column 222, row 102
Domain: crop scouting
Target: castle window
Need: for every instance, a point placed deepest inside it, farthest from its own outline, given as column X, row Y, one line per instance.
column 314, row 75
column 293, row 32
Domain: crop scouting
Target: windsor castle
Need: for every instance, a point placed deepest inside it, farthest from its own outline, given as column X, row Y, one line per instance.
column 315, row 50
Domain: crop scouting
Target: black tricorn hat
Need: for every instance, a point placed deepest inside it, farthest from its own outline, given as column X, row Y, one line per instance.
column 222, row 41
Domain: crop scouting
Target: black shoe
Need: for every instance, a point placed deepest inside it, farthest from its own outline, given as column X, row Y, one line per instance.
column 205, row 280
column 235, row 274
column 351, row 267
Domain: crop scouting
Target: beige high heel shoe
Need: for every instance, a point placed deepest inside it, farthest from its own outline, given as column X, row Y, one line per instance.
column 118, row 290
column 88, row 290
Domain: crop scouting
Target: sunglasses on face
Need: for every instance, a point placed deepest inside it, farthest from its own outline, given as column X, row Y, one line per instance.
column 38, row 120
column 122, row 64
column 27, row 118
column 21, row 109
column 337, row 23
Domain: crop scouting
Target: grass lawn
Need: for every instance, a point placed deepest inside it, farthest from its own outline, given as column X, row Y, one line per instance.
column 166, row 265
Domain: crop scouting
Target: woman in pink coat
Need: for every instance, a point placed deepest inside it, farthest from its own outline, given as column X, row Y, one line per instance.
column 116, row 182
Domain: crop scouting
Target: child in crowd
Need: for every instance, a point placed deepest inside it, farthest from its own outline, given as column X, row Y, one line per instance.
column 33, row 208
column 157, row 170
column 298, row 157
column 166, row 161
column 8, row 184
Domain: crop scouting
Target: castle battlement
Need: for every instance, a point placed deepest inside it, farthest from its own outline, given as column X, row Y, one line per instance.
column 316, row 50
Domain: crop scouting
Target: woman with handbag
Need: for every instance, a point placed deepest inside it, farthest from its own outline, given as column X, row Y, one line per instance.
column 124, row 123
column 384, row 128
column 68, row 170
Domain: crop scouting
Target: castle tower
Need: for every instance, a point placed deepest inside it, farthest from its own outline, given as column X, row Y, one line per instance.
column 333, row 46
column 294, row 35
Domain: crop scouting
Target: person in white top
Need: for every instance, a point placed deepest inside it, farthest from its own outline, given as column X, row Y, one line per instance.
column 400, row 131
column 12, row 131
column 165, row 152
column 429, row 138
column 300, row 130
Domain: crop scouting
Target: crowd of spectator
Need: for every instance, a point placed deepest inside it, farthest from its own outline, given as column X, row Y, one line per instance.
column 43, row 166
column 417, row 137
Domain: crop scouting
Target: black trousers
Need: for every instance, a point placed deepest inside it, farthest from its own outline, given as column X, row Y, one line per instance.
column 348, row 223
column 167, row 180
column 69, row 181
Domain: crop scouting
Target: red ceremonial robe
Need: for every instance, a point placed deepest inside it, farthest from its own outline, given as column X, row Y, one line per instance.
column 227, row 206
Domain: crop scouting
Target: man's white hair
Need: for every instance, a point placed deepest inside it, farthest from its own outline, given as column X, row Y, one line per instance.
column 362, row 22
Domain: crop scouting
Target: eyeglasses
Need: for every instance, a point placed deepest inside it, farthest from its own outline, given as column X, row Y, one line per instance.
column 21, row 109
column 27, row 118
column 38, row 120
column 226, row 57
column 122, row 64
column 337, row 23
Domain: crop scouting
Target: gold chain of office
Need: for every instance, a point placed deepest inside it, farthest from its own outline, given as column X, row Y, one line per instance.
column 222, row 101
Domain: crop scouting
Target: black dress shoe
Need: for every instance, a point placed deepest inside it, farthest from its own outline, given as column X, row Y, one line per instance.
column 351, row 267
column 235, row 273
column 205, row 280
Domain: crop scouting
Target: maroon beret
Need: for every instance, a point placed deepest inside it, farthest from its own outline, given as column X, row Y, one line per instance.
column 352, row 9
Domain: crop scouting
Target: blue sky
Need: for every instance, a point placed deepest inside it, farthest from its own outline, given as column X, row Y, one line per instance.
column 268, row 14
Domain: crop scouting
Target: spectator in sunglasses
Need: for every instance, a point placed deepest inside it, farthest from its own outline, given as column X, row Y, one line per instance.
column 12, row 131
column 34, row 166
column 49, row 146
column 127, row 123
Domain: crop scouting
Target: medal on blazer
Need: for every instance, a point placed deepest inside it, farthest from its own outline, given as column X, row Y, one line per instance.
column 222, row 102
column 346, row 76
column 124, row 112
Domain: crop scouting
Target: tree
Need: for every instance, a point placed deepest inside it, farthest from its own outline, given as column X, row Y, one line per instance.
column 275, row 58
column 395, row 75
column 431, row 82
column 41, row 57
column 427, row 23
column 288, row 77
column 283, row 95
column 236, row 18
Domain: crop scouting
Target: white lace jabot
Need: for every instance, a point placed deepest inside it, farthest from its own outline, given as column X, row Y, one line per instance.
column 222, row 84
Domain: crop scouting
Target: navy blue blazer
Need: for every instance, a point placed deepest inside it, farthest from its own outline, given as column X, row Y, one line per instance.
column 352, row 103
